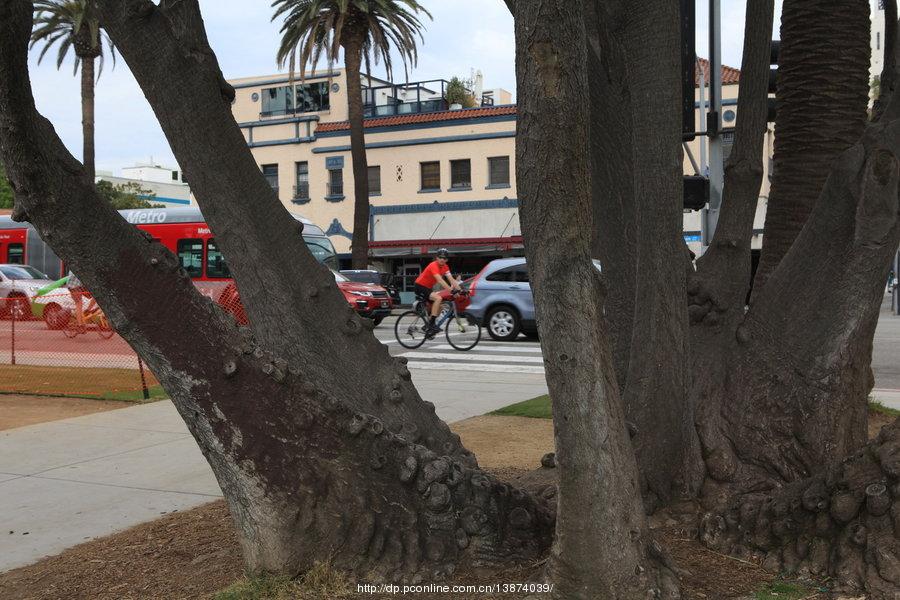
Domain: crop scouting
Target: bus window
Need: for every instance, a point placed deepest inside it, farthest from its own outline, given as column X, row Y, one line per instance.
column 322, row 251
column 215, row 262
column 190, row 255
column 15, row 254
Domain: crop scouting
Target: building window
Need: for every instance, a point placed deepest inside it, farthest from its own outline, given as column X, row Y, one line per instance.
column 301, row 183
column 878, row 40
column 431, row 176
column 336, row 183
column 307, row 97
column 270, row 172
column 498, row 171
column 190, row 255
column 312, row 97
column 174, row 175
column 276, row 101
column 375, row 181
column 215, row 262
column 461, row 174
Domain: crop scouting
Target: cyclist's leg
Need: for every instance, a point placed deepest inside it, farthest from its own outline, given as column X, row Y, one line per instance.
column 436, row 300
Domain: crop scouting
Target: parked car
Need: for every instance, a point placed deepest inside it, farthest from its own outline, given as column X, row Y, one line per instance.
column 18, row 285
column 501, row 299
column 385, row 280
column 368, row 300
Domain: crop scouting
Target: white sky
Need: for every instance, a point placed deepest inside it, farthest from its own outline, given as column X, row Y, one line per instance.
column 464, row 35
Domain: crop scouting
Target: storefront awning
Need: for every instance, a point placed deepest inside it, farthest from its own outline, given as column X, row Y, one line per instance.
column 388, row 248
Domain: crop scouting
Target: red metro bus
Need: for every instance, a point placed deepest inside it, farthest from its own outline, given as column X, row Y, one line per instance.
column 185, row 233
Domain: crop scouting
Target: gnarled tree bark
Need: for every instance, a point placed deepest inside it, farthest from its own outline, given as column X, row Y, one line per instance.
column 310, row 468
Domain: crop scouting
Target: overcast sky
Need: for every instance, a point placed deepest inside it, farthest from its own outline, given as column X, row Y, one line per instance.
column 464, row 35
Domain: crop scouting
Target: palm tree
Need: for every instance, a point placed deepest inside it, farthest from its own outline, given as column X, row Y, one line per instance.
column 74, row 24
column 367, row 30
column 821, row 101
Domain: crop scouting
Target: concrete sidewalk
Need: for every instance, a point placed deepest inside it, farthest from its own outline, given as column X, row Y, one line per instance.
column 889, row 398
column 69, row 481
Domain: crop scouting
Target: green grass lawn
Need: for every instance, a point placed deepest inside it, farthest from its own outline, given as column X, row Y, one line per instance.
column 75, row 382
column 536, row 408
column 319, row 582
column 878, row 407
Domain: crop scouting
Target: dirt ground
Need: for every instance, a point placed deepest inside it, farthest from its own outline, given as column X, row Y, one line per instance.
column 193, row 554
column 19, row 411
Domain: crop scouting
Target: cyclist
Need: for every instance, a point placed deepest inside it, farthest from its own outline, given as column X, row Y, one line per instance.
column 434, row 273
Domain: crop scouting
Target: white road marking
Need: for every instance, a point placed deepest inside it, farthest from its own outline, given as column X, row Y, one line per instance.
column 444, row 366
column 468, row 357
column 485, row 348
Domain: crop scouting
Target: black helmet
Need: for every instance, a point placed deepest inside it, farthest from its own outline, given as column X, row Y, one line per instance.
column 442, row 253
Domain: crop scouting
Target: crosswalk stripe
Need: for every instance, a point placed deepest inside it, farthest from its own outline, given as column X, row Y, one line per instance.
column 483, row 348
column 468, row 357
column 495, row 368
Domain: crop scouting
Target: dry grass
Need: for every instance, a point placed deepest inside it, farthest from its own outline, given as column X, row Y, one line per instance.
column 76, row 382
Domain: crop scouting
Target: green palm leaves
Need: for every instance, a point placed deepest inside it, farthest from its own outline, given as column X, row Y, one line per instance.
column 313, row 28
column 69, row 24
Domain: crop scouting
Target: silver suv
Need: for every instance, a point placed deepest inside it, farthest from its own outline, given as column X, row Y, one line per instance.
column 501, row 300
column 18, row 284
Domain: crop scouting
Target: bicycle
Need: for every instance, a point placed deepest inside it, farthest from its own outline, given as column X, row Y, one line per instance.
column 462, row 332
column 89, row 318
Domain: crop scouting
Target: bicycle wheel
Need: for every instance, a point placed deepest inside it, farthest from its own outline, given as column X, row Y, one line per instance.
column 462, row 333
column 410, row 330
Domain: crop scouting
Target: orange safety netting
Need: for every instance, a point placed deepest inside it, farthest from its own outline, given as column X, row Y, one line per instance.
column 62, row 344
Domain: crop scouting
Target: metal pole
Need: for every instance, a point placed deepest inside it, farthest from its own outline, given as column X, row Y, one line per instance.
column 12, row 312
column 143, row 379
column 714, row 124
column 702, row 128
column 896, row 284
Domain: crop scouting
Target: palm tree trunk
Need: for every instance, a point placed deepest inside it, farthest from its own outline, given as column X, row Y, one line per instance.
column 822, row 96
column 87, row 115
column 360, row 242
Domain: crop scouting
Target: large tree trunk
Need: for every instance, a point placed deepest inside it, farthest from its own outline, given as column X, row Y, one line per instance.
column 797, row 385
column 634, row 67
column 359, row 245
column 823, row 86
column 599, row 495
column 320, row 443
column 841, row 524
column 87, row 115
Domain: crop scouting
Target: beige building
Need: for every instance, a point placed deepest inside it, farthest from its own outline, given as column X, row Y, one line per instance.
column 438, row 175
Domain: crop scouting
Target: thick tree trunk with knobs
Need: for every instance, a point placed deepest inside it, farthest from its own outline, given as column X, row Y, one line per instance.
column 361, row 471
column 320, row 442
column 840, row 524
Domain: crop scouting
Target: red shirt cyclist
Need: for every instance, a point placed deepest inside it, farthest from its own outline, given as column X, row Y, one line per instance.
column 435, row 272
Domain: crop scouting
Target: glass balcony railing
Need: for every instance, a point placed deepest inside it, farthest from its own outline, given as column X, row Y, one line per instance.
column 404, row 108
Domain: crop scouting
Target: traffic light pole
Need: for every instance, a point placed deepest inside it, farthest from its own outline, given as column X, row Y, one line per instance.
column 709, row 216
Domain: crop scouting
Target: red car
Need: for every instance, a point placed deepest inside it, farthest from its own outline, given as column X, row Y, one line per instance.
column 367, row 299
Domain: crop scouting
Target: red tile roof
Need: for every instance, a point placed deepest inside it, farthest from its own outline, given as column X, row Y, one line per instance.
column 730, row 76
column 444, row 115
